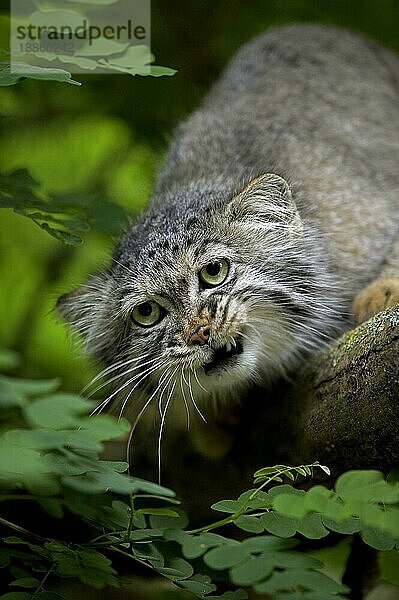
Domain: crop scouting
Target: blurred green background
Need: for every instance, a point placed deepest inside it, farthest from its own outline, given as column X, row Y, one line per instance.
column 109, row 136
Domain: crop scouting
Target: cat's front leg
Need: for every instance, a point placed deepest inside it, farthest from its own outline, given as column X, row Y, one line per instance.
column 381, row 293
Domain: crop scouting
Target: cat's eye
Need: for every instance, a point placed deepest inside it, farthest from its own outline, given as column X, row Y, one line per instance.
column 214, row 273
column 147, row 313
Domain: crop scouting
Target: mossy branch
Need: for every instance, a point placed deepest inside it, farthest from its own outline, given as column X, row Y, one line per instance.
column 351, row 398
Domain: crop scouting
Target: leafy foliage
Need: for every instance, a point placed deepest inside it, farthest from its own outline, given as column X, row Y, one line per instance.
column 23, row 70
column 121, row 58
column 105, row 55
column 50, row 455
column 63, row 216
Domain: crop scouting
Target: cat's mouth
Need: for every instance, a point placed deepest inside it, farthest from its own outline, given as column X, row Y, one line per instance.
column 223, row 356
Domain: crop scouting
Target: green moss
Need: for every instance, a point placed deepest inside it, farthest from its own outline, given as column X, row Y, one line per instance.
column 355, row 342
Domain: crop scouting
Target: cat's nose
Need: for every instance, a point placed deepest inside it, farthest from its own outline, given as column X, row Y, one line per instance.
column 200, row 336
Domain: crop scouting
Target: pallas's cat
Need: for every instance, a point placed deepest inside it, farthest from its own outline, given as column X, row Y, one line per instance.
column 277, row 208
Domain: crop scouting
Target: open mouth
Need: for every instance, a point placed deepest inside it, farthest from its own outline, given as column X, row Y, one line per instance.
column 223, row 356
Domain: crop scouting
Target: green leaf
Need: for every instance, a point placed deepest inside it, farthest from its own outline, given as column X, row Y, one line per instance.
column 16, row 392
column 145, row 535
column 95, row 483
column 56, row 411
column 118, row 516
column 248, row 523
column 52, row 507
column 166, row 512
column 256, row 499
column 16, row 596
column 311, row 526
column 227, row 506
column 19, row 573
column 15, row 540
column 237, row 595
column 176, row 569
column 71, row 212
column 286, row 490
column 106, row 428
column 49, row 596
column 36, row 440
column 4, row 558
column 165, row 522
column 22, row 466
column 377, row 539
column 66, row 237
column 89, row 566
column 107, row 47
column 268, row 543
column 279, row 524
column 197, row 545
column 152, row 488
column 21, row 70
column 307, row 596
column 29, row 387
column 292, row 560
column 197, row 584
column 253, row 570
column 366, row 486
column 8, row 359
column 194, row 546
column 346, row 527
column 301, row 471
column 389, row 567
column 291, row 579
column 26, row 582
column 149, row 553
column 134, row 56
column 226, row 556
column 269, row 471
column 106, row 217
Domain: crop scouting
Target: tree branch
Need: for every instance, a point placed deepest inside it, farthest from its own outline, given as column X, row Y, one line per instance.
column 351, row 398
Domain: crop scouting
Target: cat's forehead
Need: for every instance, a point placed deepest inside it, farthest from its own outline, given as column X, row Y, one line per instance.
column 160, row 238
column 167, row 261
column 172, row 257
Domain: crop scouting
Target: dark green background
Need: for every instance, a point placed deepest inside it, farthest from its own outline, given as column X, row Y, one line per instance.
column 109, row 136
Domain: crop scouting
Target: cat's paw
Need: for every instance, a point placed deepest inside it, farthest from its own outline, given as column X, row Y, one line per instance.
column 378, row 295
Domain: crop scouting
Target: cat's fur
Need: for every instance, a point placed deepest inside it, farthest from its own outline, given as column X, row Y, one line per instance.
column 290, row 171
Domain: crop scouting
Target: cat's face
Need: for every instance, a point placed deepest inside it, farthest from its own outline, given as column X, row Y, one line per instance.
column 200, row 303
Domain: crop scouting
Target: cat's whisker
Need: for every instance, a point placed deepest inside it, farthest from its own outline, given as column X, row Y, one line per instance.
column 161, row 427
column 141, row 413
column 192, row 397
column 160, row 409
column 245, row 336
column 128, row 444
column 184, row 398
column 133, row 389
column 136, row 385
column 170, row 379
column 107, row 400
column 199, row 383
column 123, row 266
column 118, row 365
column 99, row 408
column 141, row 376
column 123, row 374
column 233, row 341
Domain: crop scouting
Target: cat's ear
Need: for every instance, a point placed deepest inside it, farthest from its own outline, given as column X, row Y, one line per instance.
column 84, row 310
column 264, row 201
